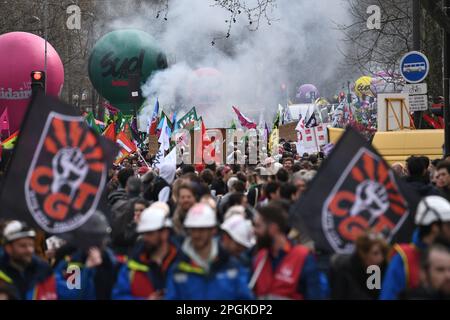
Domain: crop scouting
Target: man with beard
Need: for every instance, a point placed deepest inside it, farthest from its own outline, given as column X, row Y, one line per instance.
column 144, row 276
column 435, row 277
column 186, row 199
column 28, row 276
column 282, row 270
column 205, row 271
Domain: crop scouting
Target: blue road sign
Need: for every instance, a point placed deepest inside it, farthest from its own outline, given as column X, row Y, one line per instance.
column 414, row 67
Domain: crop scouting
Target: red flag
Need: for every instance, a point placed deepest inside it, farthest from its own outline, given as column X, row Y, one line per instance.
column 153, row 126
column 110, row 132
column 127, row 146
column 206, row 141
column 245, row 122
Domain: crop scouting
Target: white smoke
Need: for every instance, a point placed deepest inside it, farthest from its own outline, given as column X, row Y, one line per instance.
column 300, row 46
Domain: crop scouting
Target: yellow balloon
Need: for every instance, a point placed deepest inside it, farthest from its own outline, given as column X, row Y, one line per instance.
column 321, row 101
column 362, row 86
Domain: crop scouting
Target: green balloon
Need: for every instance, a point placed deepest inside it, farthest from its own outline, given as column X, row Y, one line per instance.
column 119, row 61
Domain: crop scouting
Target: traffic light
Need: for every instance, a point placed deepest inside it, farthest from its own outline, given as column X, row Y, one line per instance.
column 37, row 81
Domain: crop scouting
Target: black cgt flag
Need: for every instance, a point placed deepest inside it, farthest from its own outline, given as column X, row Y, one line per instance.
column 355, row 190
column 59, row 169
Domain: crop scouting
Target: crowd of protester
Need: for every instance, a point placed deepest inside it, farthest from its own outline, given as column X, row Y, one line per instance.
column 224, row 232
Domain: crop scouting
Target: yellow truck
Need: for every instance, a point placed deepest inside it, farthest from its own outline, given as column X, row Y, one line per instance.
column 397, row 146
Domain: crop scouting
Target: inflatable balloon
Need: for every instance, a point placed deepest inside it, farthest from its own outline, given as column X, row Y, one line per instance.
column 21, row 53
column 321, row 102
column 307, row 93
column 362, row 86
column 116, row 58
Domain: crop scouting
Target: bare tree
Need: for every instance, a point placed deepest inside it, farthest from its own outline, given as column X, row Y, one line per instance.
column 375, row 49
column 255, row 13
column 372, row 50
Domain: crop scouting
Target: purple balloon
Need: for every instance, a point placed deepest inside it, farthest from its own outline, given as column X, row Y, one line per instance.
column 307, row 93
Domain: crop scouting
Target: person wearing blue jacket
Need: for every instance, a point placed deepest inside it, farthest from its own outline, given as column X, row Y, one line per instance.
column 204, row 271
column 403, row 272
column 97, row 271
column 22, row 272
column 144, row 276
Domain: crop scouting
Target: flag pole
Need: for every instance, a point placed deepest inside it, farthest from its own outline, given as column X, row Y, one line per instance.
column 140, row 155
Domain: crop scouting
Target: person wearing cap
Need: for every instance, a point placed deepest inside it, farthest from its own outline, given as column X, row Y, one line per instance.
column 204, row 270
column 269, row 166
column 144, row 276
column 21, row 269
column 96, row 263
column 433, row 224
column 238, row 237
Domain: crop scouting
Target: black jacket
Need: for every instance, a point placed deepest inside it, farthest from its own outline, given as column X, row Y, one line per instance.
column 422, row 186
column 220, row 186
column 445, row 192
column 123, row 234
column 153, row 190
column 348, row 279
column 116, row 195
column 36, row 272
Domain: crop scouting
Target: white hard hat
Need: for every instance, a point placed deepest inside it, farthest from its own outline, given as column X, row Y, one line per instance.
column 240, row 210
column 432, row 209
column 159, row 204
column 17, row 230
column 240, row 230
column 269, row 160
column 152, row 219
column 277, row 166
column 200, row 216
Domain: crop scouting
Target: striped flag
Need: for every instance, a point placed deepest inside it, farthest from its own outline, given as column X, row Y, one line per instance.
column 126, row 145
column 245, row 122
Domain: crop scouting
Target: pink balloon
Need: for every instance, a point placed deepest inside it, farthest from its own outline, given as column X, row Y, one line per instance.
column 21, row 53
